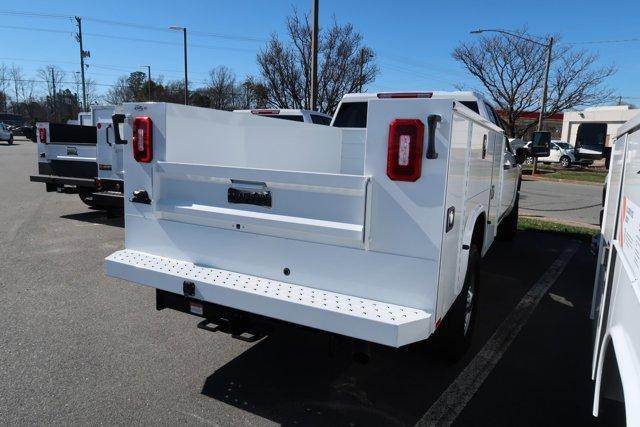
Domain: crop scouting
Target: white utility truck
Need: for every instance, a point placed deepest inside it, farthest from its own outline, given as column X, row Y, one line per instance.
column 616, row 302
column 110, row 147
column 372, row 231
column 67, row 155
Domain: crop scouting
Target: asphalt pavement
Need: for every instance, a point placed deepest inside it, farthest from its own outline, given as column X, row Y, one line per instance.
column 77, row 347
column 565, row 201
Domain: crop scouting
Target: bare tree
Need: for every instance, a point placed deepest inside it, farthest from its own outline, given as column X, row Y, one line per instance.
column 345, row 65
column 220, row 88
column 15, row 74
column 4, row 86
column 90, row 89
column 511, row 71
column 53, row 76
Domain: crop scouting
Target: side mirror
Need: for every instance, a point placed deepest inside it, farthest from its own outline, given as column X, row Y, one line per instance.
column 521, row 155
column 591, row 140
column 540, row 144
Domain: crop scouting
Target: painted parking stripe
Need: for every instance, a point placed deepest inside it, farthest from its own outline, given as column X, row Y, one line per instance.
column 456, row 397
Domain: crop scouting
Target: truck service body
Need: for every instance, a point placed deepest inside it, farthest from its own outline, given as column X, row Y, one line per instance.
column 360, row 231
column 67, row 154
column 616, row 302
column 109, row 182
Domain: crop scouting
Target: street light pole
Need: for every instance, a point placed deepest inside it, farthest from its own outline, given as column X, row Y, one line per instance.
column 148, row 67
column 314, row 54
column 548, row 46
column 186, row 81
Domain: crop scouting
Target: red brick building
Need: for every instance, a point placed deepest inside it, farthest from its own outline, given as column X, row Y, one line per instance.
column 552, row 124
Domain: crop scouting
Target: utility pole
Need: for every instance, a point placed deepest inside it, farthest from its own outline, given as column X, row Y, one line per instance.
column 53, row 96
column 314, row 54
column 83, row 54
column 148, row 67
column 186, row 81
column 544, row 96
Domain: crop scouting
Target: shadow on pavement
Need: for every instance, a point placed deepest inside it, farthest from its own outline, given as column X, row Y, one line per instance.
column 97, row 217
column 290, row 377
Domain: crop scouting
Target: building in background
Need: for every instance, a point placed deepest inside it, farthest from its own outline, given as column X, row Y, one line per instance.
column 552, row 124
column 614, row 116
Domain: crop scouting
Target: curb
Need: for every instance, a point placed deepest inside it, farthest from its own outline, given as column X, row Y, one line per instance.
column 560, row 221
column 565, row 181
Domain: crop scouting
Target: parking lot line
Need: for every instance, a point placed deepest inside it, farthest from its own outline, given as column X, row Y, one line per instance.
column 455, row 398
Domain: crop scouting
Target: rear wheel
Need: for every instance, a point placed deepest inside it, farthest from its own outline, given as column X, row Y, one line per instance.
column 11, row 140
column 565, row 161
column 454, row 335
column 508, row 228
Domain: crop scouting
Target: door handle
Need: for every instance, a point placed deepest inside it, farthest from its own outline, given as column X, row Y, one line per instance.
column 484, row 146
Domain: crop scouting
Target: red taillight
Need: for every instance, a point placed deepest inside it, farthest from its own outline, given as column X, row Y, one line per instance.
column 404, row 153
column 142, row 139
column 42, row 134
column 401, row 95
column 98, row 184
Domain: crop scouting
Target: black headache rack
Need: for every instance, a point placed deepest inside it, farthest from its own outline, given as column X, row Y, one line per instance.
column 60, row 133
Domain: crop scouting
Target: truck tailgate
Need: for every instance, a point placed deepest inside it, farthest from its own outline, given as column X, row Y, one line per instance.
column 315, row 207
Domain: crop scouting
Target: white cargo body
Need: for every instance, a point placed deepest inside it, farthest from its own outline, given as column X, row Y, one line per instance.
column 66, row 153
column 616, row 303
column 304, row 223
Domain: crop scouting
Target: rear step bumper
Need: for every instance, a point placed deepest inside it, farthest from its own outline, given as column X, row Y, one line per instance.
column 352, row 316
column 63, row 180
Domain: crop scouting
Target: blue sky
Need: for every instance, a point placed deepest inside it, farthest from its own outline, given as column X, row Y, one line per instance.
column 413, row 39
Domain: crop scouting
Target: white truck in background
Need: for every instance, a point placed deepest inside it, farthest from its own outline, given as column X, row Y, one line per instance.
column 616, row 297
column 372, row 228
column 110, row 147
column 304, row 116
column 67, row 154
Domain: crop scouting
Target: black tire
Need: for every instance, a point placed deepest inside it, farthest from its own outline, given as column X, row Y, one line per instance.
column 454, row 335
column 11, row 140
column 565, row 162
column 508, row 228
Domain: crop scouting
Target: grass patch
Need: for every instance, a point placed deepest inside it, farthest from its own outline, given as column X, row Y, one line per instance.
column 572, row 231
column 574, row 175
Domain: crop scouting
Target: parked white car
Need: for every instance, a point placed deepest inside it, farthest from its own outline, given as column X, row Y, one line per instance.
column 561, row 152
column 6, row 134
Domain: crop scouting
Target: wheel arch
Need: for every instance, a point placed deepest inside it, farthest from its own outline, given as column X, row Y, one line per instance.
column 611, row 383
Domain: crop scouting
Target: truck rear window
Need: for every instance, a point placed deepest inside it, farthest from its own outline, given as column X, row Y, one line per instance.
column 352, row 115
column 291, row 117
column 472, row 105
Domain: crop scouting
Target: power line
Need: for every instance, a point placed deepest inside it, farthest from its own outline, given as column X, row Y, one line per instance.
column 46, row 81
column 132, row 25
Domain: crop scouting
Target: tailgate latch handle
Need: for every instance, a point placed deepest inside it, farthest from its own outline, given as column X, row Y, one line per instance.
column 117, row 119
column 432, row 123
column 140, row 196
